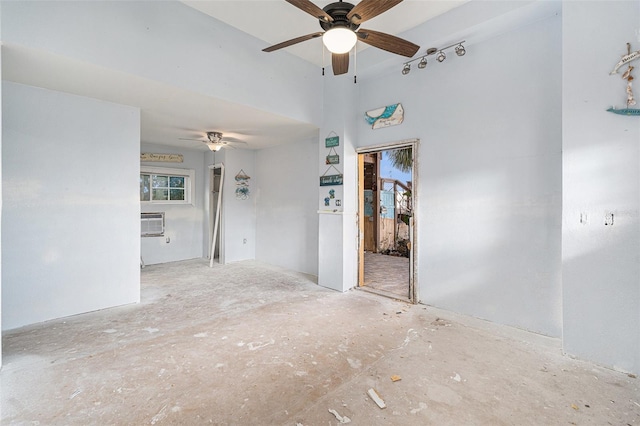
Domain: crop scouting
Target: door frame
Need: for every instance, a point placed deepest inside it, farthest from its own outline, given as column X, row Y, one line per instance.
column 216, row 218
column 414, row 143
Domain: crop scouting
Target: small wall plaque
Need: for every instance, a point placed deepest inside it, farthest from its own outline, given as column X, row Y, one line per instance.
column 391, row 115
column 330, row 180
column 332, row 141
column 161, row 158
column 333, row 159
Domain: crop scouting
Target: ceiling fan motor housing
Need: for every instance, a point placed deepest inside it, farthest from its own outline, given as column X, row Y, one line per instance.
column 338, row 11
column 214, row 137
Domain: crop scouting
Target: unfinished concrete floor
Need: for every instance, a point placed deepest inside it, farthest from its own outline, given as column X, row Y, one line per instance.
column 250, row 344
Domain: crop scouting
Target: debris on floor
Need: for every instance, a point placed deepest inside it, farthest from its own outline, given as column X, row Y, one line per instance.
column 162, row 414
column 395, row 378
column 341, row 419
column 376, row 398
column 441, row 322
column 168, row 374
column 457, row 378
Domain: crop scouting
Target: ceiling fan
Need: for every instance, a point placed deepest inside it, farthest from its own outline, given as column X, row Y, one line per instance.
column 341, row 22
column 215, row 142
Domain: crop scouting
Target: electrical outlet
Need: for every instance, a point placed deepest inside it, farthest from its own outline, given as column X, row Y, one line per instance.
column 608, row 219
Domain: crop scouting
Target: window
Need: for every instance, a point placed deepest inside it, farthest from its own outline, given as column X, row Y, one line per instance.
column 162, row 185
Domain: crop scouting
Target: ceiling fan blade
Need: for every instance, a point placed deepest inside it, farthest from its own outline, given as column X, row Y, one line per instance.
column 292, row 42
column 340, row 63
column 233, row 141
column 311, row 9
column 187, row 139
column 368, row 9
column 388, row 42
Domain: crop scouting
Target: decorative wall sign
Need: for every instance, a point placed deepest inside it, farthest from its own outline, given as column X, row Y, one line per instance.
column 626, row 59
column 161, row 158
column 391, row 115
column 630, row 56
column 333, row 158
column 332, row 141
column 330, row 180
column 242, row 185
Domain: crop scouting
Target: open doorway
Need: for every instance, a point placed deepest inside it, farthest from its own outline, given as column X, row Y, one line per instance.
column 216, row 181
column 386, row 220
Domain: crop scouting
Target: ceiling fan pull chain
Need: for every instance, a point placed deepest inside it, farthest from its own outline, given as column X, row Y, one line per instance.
column 322, row 47
column 355, row 64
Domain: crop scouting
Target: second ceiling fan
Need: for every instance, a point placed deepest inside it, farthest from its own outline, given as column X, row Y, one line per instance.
column 341, row 24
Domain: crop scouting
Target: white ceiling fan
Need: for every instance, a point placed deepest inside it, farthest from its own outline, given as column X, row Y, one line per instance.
column 215, row 141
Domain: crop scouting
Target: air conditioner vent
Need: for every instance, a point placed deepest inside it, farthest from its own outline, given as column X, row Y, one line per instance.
column 152, row 224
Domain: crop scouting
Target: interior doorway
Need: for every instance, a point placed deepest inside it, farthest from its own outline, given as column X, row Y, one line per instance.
column 216, row 181
column 386, row 220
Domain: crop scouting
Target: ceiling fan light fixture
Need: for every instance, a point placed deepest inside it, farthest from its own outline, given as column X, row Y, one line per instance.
column 214, row 146
column 339, row 40
column 441, row 56
column 406, row 69
column 423, row 63
column 460, row 51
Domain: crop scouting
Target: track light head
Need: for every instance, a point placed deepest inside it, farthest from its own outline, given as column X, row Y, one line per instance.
column 441, row 56
column 423, row 63
column 406, row 69
column 460, row 51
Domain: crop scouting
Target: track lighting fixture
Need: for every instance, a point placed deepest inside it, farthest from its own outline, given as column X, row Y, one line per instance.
column 441, row 56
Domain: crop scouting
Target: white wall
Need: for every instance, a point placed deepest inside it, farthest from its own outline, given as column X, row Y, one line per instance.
column 182, row 47
column 0, row 197
column 286, row 206
column 490, row 173
column 183, row 222
column 601, row 264
column 239, row 215
column 70, row 222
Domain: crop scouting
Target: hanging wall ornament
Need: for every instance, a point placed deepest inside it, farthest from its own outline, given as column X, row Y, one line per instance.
column 331, row 180
column 242, row 185
column 630, row 56
column 391, row 115
column 332, row 140
column 333, row 158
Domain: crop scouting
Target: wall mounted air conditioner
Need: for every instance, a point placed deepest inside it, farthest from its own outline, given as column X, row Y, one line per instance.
column 152, row 224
